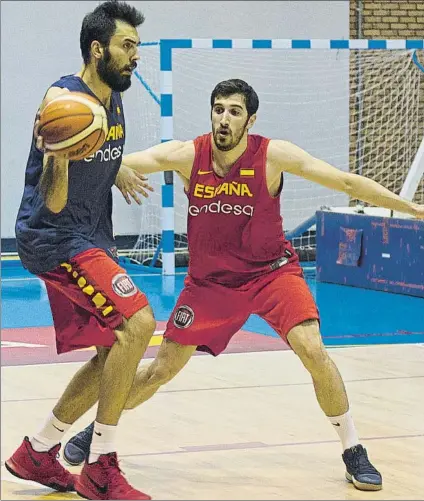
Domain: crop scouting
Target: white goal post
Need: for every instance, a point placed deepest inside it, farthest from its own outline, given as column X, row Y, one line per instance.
column 358, row 104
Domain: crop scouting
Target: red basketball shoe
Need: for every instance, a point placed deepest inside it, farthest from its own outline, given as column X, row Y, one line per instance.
column 41, row 467
column 104, row 480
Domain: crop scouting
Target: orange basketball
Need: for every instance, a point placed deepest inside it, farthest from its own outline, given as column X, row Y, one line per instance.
column 74, row 124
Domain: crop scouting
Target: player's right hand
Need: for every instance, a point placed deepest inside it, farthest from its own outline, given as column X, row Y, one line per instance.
column 51, row 94
column 39, row 141
column 131, row 183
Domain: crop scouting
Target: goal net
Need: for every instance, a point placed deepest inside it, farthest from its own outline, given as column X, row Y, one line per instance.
column 360, row 110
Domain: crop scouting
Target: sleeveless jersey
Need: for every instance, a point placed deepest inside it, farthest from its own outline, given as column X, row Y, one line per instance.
column 44, row 239
column 235, row 230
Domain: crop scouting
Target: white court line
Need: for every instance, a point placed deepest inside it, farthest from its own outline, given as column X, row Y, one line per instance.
column 242, row 354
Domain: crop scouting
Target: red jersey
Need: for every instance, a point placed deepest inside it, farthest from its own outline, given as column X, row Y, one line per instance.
column 234, row 228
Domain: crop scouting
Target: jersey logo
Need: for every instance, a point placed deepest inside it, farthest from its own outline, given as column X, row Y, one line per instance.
column 203, row 172
column 247, row 172
column 220, row 208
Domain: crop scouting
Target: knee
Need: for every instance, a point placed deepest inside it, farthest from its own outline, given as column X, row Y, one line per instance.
column 138, row 330
column 307, row 344
column 314, row 357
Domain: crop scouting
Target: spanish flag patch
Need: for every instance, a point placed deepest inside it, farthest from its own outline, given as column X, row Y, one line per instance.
column 247, row 172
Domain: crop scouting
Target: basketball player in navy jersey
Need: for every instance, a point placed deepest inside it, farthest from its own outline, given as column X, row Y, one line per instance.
column 64, row 235
column 240, row 261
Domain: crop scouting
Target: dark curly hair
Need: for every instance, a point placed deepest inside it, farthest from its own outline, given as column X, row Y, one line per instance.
column 237, row 86
column 100, row 24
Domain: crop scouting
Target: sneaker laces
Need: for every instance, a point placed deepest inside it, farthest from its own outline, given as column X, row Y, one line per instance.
column 361, row 462
column 54, row 456
column 116, row 475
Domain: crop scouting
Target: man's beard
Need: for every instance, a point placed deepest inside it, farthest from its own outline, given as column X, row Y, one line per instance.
column 230, row 145
column 111, row 76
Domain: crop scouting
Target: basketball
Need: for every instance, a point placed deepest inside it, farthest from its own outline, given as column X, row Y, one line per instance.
column 74, row 124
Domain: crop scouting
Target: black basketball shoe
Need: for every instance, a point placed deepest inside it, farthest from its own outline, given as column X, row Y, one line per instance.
column 360, row 471
column 77, row 448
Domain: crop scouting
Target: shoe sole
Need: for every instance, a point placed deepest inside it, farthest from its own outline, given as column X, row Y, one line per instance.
column 93, row 495
column 86, row 493
column 361, row 486
column 85, row 497
column 82, row 495
column 24, row 475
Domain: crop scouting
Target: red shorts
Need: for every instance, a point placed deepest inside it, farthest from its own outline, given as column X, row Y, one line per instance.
column 208, row 315
column 89, row 297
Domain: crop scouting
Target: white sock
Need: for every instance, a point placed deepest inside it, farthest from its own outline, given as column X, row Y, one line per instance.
column 50, row 435
column 346, row 430
column 103, row 441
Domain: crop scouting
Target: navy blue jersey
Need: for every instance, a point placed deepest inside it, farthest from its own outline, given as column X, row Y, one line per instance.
column 45, row 239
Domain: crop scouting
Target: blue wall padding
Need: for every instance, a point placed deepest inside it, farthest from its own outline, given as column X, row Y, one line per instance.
column 372, row 252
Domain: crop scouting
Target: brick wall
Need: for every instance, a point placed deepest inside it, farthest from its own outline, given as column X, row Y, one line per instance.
column 387, row 20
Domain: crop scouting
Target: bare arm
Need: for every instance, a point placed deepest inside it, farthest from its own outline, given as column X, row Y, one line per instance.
column 54, row 183
column 285, row 156
column 54, row 179
column 172, row 155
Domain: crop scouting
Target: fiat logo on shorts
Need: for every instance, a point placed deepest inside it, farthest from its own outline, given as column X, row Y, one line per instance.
column 123, row 285
column 183, row 317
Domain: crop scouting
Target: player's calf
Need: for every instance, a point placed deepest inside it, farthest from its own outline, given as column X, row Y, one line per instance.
column 305, row 340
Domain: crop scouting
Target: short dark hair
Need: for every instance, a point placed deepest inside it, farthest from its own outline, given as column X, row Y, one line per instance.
column 237, row 86
column 101, row 24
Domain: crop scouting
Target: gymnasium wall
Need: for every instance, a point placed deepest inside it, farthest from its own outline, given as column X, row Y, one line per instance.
column 370, row 252
column 40, row 42
column 394, row 20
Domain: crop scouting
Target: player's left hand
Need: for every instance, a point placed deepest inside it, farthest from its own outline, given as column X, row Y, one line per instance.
column 131, row 183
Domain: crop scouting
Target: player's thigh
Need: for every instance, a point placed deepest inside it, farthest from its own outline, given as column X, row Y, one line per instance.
column 285, row 302
column 207, row 315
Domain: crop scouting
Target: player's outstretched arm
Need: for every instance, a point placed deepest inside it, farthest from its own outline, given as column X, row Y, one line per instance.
column 54, row 179
column 287, row 157
column 172, row 155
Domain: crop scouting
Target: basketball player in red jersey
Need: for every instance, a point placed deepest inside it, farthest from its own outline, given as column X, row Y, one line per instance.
column 64, row 235
column 241, row 263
